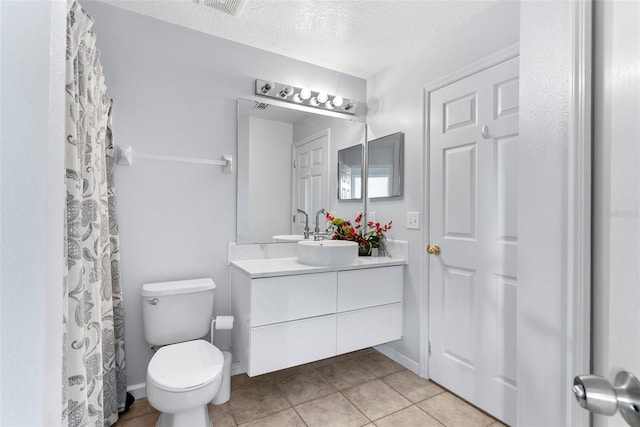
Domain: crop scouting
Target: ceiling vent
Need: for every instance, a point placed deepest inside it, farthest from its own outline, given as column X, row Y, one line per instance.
column 261, row 106
column 232, row 7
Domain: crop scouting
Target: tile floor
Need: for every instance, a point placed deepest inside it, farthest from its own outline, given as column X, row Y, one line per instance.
column 364, row 388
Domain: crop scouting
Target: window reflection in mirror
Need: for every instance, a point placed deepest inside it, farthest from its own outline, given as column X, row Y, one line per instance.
column 385, row 157
column 350, row 173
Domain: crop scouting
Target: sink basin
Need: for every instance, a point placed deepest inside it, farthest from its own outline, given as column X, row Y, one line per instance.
column 288, row 238
column 327, row 252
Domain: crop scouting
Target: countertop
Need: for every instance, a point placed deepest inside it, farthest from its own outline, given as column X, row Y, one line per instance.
column 272, row 267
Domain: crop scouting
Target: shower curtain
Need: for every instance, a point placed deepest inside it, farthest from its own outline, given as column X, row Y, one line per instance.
column 94, row 378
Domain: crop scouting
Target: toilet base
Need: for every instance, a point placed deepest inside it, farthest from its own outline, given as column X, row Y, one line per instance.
column 196, row 417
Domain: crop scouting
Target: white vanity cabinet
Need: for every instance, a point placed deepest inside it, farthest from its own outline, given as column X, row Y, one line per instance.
column 289, row 320
column 369, row 307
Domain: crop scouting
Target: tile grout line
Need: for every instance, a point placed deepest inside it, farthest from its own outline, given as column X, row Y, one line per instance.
column 354, row 405
column 300, row 416
column 429, row 414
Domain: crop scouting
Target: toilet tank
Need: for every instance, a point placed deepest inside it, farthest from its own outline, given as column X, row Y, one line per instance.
column 177, row 311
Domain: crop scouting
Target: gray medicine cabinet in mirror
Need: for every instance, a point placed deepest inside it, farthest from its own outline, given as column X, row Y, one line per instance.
column 272, row 180
column 385, row 166
column 350, row 181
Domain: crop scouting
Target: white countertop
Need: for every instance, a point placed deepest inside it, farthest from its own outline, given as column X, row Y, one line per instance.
column 271, row 267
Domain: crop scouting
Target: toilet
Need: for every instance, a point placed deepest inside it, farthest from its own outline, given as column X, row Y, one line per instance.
column 185, row 373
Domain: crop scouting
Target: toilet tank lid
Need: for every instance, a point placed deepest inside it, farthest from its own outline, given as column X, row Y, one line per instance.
column 177, row 287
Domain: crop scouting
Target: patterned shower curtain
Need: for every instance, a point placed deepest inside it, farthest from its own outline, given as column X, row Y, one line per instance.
column 94, row 380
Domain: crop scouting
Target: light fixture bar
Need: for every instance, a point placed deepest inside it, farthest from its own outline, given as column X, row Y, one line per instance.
column 304, row 96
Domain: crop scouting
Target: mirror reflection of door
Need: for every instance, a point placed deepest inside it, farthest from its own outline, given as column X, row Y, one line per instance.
column 311, row 169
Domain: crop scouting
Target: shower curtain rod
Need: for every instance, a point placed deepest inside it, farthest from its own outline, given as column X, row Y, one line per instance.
column 125, row 155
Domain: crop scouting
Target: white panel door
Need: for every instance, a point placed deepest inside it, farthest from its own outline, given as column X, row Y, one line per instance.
column 473, row 282
column 616, row 194
column 311, row 178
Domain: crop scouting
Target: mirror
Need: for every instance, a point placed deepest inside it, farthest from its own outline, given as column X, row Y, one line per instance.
column 350, row 173
column 287, row 160
column 385, row 161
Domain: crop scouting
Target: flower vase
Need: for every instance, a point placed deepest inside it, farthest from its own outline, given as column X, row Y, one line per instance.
column 364, row 250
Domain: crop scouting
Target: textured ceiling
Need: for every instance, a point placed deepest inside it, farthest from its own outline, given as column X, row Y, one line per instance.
column 356, row 37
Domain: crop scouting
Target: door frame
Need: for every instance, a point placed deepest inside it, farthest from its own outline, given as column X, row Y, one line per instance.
column 575, row 246
column 579, row 193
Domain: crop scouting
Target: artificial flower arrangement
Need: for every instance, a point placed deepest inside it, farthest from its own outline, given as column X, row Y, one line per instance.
column 371, row 238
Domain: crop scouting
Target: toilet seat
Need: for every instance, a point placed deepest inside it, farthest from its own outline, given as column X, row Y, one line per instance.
column 185, row 366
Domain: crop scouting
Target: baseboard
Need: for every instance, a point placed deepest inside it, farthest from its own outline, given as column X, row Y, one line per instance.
column 399, row 358
column 138, row 391
column 237, row 368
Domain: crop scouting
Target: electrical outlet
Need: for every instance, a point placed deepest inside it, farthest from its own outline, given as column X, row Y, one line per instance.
column 413, row 220
column 371, row 216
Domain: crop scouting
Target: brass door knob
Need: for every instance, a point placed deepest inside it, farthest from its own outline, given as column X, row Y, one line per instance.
column 433, row 250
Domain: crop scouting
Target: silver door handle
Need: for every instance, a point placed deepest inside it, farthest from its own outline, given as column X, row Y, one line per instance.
column 596, row 394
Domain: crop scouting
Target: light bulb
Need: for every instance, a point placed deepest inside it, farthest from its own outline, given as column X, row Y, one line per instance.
column 337, row 101
column 305, row 93
column 322, row 97
column 297, row 98
column 314, row 101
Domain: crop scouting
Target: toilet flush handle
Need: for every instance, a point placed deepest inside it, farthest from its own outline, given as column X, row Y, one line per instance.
column 153, row 301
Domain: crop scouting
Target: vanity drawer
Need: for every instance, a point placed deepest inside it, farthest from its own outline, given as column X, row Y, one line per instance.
column 368, row 327
column 280, row 299
column 369, row 287
column 289, row 344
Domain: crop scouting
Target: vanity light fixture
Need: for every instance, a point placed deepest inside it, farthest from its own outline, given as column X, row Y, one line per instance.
column 304, row 96
column 349, row 106
column 285, row 92
column 265, row 87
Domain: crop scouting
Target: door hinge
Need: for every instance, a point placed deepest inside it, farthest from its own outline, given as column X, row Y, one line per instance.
column 294, row 218
column 429, row 348
column 295, row 164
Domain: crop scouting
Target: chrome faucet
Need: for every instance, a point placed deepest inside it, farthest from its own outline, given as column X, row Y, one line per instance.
column 316, row 231
column 306, row 223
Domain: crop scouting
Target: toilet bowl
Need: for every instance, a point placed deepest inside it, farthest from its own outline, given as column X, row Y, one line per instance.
column 181, row 379
column 185, row 373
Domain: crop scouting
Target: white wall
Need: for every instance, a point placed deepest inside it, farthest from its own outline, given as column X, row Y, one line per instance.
column 395, row 100
column 175, row 93
column 269, row 192
column 31, row 207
